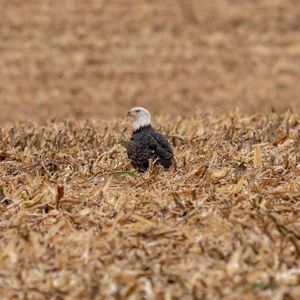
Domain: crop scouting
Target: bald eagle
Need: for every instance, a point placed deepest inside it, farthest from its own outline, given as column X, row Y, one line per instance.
column 146, row 143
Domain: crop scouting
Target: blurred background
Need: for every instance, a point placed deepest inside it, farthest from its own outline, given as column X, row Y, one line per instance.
column 92, row 59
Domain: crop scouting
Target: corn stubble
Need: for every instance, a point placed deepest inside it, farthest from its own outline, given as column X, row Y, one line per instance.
column 78, row 222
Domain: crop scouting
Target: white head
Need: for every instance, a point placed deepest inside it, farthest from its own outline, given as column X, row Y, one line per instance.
column 141, row 117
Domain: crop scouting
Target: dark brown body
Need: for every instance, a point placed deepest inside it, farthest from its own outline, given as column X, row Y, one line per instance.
column 146, row 144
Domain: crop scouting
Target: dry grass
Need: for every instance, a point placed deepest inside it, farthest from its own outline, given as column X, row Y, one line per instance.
column 76, row 223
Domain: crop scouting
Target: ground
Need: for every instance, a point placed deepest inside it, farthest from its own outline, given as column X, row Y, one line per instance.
column 77, row 222
column 221, row 79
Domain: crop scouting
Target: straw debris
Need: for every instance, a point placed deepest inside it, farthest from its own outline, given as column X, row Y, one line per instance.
column 77, row 222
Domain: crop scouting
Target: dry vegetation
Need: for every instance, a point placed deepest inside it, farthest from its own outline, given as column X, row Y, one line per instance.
column 96, row 58
column 76, row 222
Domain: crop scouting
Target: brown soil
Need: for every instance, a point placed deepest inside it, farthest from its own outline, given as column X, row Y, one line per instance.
column 96, row 59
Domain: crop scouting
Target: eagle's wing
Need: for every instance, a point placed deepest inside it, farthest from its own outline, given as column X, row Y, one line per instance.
column 161, row 146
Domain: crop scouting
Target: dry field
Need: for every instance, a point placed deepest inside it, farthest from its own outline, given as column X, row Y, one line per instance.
column 93, row 58
column 77, row 223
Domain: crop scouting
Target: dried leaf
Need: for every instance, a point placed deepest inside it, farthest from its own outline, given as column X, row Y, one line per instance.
column 257, row 156
column 60, row 193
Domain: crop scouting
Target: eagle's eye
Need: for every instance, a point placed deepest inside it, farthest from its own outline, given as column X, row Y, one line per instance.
column 138, row 110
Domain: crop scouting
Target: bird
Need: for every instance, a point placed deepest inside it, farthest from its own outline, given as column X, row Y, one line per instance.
column 146, row 143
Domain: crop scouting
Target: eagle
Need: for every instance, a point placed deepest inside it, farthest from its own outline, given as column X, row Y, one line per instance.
column 146, row 143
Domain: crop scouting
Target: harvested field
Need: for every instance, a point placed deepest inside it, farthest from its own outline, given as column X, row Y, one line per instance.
column 76, row 222
column 97, row 58
column 221, row 79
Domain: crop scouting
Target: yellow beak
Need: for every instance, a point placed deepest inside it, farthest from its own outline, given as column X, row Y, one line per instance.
column 131, row 114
